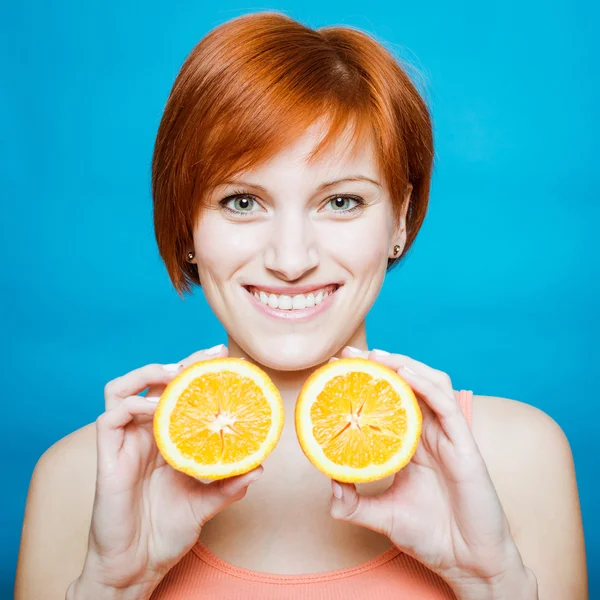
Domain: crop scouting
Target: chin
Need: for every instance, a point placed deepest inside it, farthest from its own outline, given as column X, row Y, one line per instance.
column 289, row 355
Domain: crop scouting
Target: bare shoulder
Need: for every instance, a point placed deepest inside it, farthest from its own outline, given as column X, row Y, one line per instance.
column 57, row 517
column 500, row 423
column 515, row 439
column 530, row 462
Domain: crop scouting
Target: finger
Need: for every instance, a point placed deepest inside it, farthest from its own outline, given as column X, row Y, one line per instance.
column 440, row 395
column 350, row 352
column 110, row 426
column 219, row 351
column 136, row 381
column 395, row 361
column 445, row 407
column 350, row 506
column 153, row 376
column 213, row 497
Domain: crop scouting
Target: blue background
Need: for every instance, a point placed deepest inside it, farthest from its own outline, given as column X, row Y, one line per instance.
column 501, row 289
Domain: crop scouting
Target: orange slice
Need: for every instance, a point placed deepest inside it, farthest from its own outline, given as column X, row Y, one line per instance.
column 218, row 418
column 358, row 420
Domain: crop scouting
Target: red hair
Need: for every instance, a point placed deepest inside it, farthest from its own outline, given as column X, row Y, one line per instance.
column 264, row 78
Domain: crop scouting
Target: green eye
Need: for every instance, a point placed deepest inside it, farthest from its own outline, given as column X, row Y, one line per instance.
column 242, row 203
column 342, row 203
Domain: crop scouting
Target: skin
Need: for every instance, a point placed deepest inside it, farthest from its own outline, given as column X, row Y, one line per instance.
column 492, row 503
column 293, row 236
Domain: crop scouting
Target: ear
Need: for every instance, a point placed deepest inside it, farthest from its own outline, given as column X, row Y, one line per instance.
column 399, row 236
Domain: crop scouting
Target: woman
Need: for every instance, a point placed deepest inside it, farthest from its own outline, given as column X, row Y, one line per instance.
column 297, row 163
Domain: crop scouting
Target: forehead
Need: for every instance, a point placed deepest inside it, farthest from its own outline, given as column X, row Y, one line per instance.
column 336, row 161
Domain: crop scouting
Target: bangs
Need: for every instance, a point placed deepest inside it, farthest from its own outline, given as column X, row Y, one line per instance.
column 254, row 125
column 353, row 128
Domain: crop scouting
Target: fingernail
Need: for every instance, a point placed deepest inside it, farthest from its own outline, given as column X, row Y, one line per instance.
column 405, row 368
column 333, row 358
column 354, row 350
column 172, row 367
column 382, row 352
column 152, row 398
column 337, row 489
column 214, row 350
column 257, row 475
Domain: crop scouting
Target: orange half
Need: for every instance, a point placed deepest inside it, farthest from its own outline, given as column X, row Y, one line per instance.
column 218, row 418
column 358, row 420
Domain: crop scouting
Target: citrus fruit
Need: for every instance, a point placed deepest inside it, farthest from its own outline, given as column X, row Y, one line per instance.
column 357, row 420
column 218, row 418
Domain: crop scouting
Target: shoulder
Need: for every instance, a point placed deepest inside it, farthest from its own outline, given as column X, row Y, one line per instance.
column 63, row 470
column 57, row 516
column 531, row 465
column 77, row 448
column 492, row 415
column 522, row 447
column 506, row 428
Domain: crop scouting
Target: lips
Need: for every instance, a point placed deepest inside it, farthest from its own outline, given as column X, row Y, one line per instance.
column 292, row 300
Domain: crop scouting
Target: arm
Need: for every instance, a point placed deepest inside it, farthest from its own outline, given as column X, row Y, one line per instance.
column 109, row 493
column 469, row 496
column 55, row 529
column 532, row 466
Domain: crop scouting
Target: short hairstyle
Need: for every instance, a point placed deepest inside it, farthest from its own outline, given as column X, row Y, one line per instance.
column 257, row 82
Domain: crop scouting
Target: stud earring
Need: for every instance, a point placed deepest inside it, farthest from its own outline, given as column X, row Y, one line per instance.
column 190, row 256
column 396, row 249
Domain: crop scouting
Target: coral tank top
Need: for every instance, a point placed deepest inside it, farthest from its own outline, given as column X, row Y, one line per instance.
column 393, row 575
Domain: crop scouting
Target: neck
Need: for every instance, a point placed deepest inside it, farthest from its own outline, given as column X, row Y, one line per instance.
column 289, row 383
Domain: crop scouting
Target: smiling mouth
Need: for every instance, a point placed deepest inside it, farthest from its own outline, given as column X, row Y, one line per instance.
column 289, row 302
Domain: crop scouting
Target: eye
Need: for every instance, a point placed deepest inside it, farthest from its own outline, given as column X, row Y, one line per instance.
column 242, row 203
column 345, row 204
column 239, row 203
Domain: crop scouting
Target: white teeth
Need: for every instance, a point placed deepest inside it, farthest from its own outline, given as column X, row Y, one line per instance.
column 297, row 302
column 285, row 302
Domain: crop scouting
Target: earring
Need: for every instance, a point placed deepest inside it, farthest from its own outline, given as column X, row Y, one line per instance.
column 190, row 255
column 396, row 249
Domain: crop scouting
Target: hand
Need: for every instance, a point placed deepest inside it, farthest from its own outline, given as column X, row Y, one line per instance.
column 441, row 508
column 146, row 514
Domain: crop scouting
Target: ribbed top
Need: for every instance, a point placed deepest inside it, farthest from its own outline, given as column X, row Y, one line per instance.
column 393, row 575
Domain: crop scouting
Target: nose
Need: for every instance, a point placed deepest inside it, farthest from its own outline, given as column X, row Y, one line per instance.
column 291, row 250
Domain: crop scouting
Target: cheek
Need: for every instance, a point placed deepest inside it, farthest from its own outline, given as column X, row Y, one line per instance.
column 358, row 244
column 222, row 247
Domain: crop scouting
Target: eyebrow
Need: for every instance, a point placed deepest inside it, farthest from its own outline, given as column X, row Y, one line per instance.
column 321, row 187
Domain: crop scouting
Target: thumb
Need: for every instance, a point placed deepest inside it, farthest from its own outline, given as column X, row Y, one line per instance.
column 212, row 498
column 350, row 506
